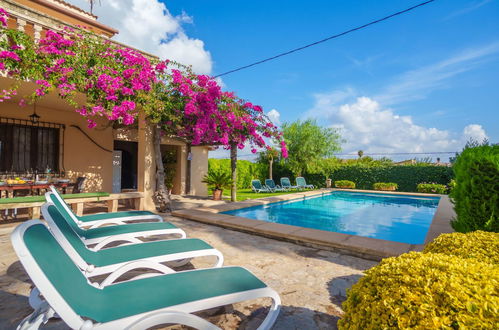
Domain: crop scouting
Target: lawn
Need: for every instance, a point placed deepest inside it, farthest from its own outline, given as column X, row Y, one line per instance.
column 244, row 194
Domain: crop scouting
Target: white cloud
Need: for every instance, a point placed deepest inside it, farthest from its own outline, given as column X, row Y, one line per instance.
column 418, row 83
column 274, row 116
column 473, row 6
column 368, row 126
column 149, row 26
column 475, row 132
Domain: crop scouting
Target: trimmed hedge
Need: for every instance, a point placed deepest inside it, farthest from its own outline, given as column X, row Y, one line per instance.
column 246, row 171
column 384, row 186
column 432, row 188
column 344, row 184
column 424, row 291
column 478, row 245
column 476, row 194
column 407, row 177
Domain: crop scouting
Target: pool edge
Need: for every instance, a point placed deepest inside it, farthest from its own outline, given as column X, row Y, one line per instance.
column 365, row 247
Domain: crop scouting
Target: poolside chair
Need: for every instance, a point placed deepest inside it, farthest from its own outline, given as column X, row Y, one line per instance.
column 100, row 219
column 257, row 187
column 130, row 232
column 302, row 184
column 100, row 260
column 272, row 186
column 286, row 184
column 169, row 298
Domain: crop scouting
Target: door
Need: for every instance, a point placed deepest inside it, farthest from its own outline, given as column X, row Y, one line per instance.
column 117, row 163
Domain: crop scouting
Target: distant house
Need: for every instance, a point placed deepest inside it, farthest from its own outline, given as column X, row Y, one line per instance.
column 111, row 159
column 406, row 162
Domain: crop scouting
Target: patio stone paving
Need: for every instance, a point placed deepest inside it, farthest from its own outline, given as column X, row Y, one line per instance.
column 311, row 282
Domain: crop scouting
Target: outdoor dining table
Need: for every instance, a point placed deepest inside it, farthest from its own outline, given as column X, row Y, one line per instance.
column 32, row 187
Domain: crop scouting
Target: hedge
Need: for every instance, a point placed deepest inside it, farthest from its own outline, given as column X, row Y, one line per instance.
column 476, row 193
column 407, row 177
column 478, row 245
column 246, row 170
column 424, row 291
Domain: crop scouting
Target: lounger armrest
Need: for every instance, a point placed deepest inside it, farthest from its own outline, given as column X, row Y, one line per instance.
column 141, row 264
column 103, row 223
column 112, row 239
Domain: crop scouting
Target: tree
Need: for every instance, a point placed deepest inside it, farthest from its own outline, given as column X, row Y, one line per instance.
column 269, row 155
column 307, row 142
column 360, row 153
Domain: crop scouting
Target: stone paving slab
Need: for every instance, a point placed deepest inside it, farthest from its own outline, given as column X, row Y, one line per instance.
column 311, row 282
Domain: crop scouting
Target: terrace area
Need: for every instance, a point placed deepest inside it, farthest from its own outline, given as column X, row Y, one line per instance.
column 311, row 281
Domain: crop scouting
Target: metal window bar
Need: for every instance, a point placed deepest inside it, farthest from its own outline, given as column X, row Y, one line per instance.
column 39, row 146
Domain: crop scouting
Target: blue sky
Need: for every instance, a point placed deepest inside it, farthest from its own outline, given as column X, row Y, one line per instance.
column 420, row 82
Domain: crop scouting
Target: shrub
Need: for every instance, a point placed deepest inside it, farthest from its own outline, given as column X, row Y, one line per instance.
column 385, row 186
column 344, row 184
column 451, row 185
column 424, row 291
column 480, row 245
column 476, row 195
column 406, row 177
column 246, row 170
column 431, row 188
column 217, row 179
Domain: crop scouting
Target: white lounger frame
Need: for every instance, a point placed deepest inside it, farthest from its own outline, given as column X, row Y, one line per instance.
column 110, row 221
column 179, row 314
column 91, row 270
column 103, row 241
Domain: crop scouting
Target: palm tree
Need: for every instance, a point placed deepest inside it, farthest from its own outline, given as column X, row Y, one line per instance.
column 360, row 153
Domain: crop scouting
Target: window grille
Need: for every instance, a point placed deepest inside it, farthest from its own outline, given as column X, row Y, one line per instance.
column 27, row 147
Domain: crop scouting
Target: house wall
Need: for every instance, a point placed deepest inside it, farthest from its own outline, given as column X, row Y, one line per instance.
column 81, row 156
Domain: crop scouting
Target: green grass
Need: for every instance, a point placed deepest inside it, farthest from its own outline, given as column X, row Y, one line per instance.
column 244, row 194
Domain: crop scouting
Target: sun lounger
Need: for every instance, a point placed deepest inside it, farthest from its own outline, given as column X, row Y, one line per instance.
column 135, row 304
column 286, row 184
column 100, row 219
column 272, row 186
column 302, row 184
column 257, row 187
column 123, row 232
column 100, row 260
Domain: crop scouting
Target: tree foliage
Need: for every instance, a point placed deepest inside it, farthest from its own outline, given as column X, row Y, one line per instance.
column 308, row 142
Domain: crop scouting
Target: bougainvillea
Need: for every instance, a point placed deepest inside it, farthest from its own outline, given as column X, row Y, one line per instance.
column 117, row 81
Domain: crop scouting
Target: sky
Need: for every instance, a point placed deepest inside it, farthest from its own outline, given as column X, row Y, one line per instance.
column 426, row 81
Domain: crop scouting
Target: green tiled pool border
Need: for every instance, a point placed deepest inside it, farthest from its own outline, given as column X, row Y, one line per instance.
column 365, row 247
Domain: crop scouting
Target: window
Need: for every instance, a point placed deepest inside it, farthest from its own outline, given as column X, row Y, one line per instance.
column 26, row 147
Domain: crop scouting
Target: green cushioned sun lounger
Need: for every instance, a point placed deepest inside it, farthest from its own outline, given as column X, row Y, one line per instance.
column 257, row 187
column 272, row 186
column 168, row 298
column 286, row 184
column 130, row 232
column 99, row 260
column 117, row 218
column 302, row 184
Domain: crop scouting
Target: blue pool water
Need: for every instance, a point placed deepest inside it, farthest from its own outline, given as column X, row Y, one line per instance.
column 398, row 218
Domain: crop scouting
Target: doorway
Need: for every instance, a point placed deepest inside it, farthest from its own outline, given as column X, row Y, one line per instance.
column 129, row 152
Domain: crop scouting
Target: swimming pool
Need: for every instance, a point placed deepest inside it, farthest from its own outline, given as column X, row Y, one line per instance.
column 393, row 217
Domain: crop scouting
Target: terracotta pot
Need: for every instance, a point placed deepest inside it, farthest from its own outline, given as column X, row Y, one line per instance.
column 328, row 183
column 217, row 195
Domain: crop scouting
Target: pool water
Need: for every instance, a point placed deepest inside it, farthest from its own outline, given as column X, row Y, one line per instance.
column 392, row 217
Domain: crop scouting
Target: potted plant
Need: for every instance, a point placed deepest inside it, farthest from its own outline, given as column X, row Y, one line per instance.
column 217, row 179
column 385, row 186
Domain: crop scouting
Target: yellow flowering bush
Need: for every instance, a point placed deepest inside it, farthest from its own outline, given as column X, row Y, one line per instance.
column 480, row 245
column 424, row 291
